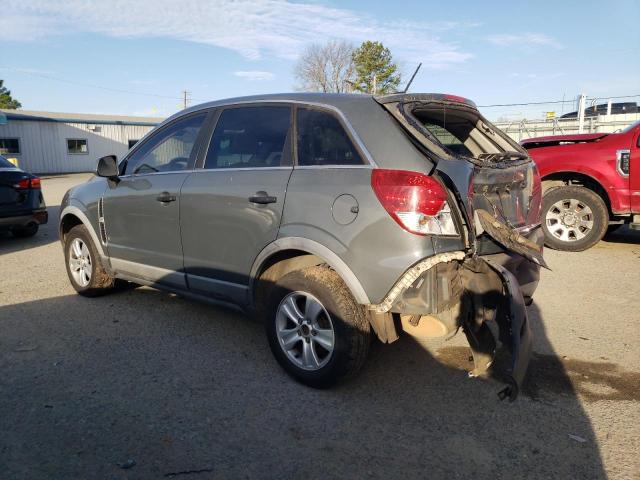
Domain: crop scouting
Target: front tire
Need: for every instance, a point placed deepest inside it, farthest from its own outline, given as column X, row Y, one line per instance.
column 84, row 266
column 317, row 331
column 573, row 218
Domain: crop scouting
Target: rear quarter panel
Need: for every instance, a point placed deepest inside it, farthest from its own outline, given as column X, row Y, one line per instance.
column 373, row 245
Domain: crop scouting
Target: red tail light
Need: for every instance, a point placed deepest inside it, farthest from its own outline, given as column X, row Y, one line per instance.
column 22, row 184
column 26, row 184
column 413, row 200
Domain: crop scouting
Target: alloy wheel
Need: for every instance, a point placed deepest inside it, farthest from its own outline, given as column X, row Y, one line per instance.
column 305, row 331
column 80, row 262
column 569, row 220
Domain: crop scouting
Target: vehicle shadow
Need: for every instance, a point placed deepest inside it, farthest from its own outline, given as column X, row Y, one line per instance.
column 146, row 384
column 624, row 234
column 47, row 233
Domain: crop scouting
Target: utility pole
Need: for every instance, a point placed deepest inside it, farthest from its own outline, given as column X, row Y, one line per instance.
column 185, row 98
column 375, row 84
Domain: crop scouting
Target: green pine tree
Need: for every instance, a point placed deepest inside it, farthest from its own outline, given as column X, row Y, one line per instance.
column 376, row 72
column 6, row 101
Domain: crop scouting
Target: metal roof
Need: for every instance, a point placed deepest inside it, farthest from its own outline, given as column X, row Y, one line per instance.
column 36, row 116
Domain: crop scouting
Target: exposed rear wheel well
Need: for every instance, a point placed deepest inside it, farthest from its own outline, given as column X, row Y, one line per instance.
column 67, row 223
column 578, row 180
column 277, row 266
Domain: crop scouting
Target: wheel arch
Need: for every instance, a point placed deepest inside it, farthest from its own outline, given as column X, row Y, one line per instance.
column 72, row 216
column 558, row 179
column 292, row 253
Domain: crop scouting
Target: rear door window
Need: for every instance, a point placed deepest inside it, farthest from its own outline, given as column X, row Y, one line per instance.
column 322, row 140
column 250, row 137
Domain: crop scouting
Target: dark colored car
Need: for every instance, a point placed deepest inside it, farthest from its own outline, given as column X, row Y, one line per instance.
column 22, row 208
column 333, row 218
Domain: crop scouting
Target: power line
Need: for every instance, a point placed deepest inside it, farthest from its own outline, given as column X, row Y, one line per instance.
column 186, row 98
column 553, row 102
column 74, row 82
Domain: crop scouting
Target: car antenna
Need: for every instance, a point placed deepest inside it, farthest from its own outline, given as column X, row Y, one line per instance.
column 411, row 79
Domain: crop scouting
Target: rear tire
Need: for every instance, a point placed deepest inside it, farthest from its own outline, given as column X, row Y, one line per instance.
column 313, row 316
column 84, row 266
column 573, row 218
column 26, row 231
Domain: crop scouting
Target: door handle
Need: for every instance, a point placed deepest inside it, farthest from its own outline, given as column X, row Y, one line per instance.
column 262, row 198
column 166, row 197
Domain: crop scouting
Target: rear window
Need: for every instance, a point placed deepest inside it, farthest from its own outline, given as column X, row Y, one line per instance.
column 454, row 131
column 4, row 163
column 461, row 132
column 323, row 141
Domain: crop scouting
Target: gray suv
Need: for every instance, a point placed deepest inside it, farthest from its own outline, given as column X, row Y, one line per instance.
column 333, row 218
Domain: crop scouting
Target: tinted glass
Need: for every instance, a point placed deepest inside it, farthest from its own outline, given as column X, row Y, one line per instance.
column 249, row 137
column 169, row 150
column 4, row 163
column 323, row 141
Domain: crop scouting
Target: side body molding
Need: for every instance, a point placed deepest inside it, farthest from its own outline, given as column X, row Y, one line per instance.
column 74, row 210
column 317, row 249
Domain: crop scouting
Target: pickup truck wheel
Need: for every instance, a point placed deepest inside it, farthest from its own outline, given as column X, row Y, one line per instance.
column 84, row 267
column 573, row 218
column 316, row 330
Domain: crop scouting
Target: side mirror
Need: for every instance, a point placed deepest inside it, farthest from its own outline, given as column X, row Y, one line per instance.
column 108, row 167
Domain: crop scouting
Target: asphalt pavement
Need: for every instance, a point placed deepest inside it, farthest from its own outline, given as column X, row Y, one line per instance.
column 142, row 384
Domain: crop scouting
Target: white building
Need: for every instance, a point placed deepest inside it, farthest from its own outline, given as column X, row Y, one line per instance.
column 47, row 142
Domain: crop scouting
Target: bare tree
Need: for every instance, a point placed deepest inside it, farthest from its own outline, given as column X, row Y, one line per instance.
column 326, row 67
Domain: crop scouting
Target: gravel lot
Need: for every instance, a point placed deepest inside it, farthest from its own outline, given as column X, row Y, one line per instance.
column 142, row 384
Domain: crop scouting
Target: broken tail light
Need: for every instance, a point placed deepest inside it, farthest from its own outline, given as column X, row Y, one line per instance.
column 417, row 202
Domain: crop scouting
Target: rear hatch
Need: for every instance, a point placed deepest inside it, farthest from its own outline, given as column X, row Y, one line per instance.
column 486, row 169
column 13, row 200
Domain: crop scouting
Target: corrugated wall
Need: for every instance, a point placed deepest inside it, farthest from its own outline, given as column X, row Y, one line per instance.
column 43, row 145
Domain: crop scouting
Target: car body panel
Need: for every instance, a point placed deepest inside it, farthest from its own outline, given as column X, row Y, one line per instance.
column 217, row 201
column 375, row 247
column 141, row 230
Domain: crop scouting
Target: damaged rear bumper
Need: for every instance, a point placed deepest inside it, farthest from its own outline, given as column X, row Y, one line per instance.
column 460, row 291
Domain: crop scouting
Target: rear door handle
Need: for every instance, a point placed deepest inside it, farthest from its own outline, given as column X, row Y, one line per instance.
column 262, row 198
column 166, row 197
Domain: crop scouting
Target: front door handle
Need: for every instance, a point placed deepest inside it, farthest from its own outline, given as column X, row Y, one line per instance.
column 262, row 198
column 166, row 197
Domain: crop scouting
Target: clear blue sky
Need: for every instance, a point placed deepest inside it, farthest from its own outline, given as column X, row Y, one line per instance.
column 491, row 52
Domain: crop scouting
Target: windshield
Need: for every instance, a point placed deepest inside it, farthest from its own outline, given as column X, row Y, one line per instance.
column 4, row 163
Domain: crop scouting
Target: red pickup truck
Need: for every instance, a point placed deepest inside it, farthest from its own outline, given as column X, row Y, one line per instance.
column 590, row 184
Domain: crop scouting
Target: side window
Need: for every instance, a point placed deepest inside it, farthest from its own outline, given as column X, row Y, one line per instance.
column 249, row 137
column 323, row 141
column 169, row 150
